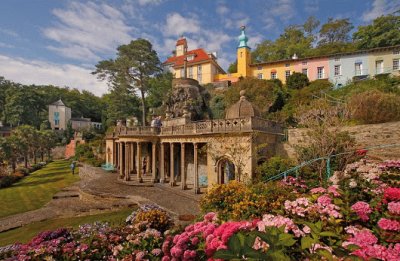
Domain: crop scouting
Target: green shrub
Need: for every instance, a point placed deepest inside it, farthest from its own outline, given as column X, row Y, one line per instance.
column 7, row 181
column 297, row 81
column 272, row 167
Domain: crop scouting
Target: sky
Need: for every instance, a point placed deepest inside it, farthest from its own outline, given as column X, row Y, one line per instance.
column 59, row 42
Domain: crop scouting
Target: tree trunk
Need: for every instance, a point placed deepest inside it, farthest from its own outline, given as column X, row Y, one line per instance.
column 13, row 166
column 34, row 158
column 26, row 161
column 143, row 107
column 42, row 156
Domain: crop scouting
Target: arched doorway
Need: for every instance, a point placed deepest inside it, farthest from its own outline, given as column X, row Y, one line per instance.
column 226, row 171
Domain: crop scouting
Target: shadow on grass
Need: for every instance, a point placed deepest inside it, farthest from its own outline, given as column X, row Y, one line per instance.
column 38, row 182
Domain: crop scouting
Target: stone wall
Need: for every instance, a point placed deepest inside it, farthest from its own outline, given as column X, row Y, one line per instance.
column 365, row 135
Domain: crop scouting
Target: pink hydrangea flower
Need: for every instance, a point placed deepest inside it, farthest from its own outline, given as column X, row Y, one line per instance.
column 387, row 224
column 333, row 189
column 318, row 190
column 362, row 209
column 360, row 238
column 324, row 200
column 394, row 208
column 392, row 194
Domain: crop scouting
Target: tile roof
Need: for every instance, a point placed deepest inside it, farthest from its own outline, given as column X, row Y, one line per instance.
column 181, row 41
column 58, row 103
column 199, row 56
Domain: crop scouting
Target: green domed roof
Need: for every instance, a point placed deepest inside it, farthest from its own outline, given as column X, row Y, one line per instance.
column 243, row 38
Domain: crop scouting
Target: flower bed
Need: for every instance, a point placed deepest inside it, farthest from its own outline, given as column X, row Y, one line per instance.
column 356, row 219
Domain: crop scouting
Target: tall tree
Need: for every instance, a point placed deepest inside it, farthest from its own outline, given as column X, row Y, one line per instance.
column 135, row 64
column 28, row 137
column 335, row 31
column 310, row 25
column 159, row 86
column 384, row 31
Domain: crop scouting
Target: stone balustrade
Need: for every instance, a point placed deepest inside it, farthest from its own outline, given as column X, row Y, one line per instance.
column 203, row 127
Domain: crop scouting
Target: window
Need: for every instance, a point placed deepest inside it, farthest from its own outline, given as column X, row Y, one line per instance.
column 191, row 72
column 304, row 62
column 190, row 58
column 259, row 67
column 396, row 52
column 337, row 59
column 273, row 75
column 395, row 64
column 199, row 73
column 287, row 74
column 304, row 71
column 320, row 73
column 379, row 66
column 56, row 118
column 260, row 76
column 338, row 70
column 182, row 73
column 287, row 65
column 358, row 69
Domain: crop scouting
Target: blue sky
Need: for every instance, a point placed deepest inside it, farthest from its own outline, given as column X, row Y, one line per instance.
column 59, row 42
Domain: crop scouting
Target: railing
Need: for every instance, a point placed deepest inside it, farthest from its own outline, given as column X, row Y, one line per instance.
column 205, row 127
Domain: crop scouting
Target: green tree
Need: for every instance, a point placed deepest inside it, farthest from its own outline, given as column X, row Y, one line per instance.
column 297, row 81
column 11, row 148
column 384, row 31
column 28, row 137
column 310, row 25
column 335, row 31
column 159, row 87
column 232, row 67
column 134, row 66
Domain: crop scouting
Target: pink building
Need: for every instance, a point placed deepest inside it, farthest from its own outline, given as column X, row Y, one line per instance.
column 314, row 67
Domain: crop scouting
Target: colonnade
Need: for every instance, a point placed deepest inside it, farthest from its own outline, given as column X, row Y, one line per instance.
column 128, row 159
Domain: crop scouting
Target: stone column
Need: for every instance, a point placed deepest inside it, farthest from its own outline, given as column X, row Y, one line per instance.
column 183, row 172
column 162, row 159
column 121, row 160
column 127, row 160
column 114, row 155
column 196, row 169
column 153, row 161
column 172, row 166
column 139, row 161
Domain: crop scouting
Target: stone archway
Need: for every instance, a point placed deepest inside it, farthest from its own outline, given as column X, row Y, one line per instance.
column 226, row 170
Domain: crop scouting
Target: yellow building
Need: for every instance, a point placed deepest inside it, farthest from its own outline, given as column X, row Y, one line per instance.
column 384, row 60
column 199, row 64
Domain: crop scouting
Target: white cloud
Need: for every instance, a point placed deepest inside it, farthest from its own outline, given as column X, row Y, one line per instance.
column 283, row 11
column 177, row 25
column 222, row 9
column 311, row 6
column 149, row 2
column 42, row 73
column 5, row 45
column 380, row 7
column 85, row 30
column 9, row 32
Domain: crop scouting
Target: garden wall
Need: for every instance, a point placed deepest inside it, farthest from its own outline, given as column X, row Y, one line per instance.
column 365, row 135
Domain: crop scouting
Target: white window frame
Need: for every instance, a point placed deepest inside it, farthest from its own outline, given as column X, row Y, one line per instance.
column 273, row 75
column 190, row 72
column 396, row 64
column 260, row 76
column 304, row 71
column 337, row 70
column 359, row 71
column 320, row 72
column 199, row 73
column 379, row 69
column 287, row 74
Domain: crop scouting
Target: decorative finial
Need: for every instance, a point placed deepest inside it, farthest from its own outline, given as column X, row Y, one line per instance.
column 242, row 95
column 243, row 38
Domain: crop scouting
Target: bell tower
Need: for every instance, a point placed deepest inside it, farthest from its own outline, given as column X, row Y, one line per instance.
column 181, row 46
column 243, row 54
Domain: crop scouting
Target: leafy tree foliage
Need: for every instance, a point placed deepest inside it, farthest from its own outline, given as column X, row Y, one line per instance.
column 135, row 65
column 335, row 31
column 297, row 81
column 232, row 67
column 159, row 86
column 384, row 31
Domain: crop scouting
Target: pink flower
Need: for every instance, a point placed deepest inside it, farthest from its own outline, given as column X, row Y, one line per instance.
column 333, row 189
column 387, row 224
column 210, row 217
column 195, row 241
column 314, row 248
column 260, row 244
column 306, row 229
column 317, row 190
column 324, row 200
column 361, row 238
column 362, row 209
column 394, row 208
column 156, row 252
column 392, row 194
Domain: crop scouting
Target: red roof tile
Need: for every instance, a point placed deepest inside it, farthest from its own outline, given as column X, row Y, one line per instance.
column 181, row 41
column 199, row 56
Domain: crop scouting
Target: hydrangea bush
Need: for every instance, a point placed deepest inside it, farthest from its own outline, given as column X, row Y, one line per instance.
column 355, row 218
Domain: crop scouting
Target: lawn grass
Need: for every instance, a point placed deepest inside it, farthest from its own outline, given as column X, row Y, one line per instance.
column 35, row 190
column 26, row 233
